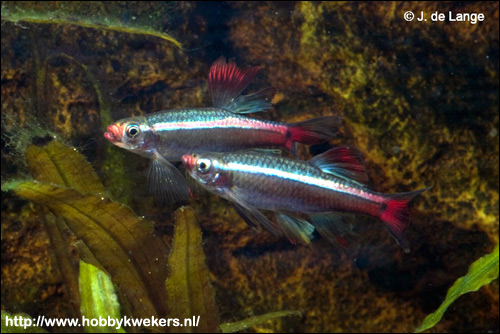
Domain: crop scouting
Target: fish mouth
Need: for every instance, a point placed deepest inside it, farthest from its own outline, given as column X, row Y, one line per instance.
column 113, row 134
column 188, row 161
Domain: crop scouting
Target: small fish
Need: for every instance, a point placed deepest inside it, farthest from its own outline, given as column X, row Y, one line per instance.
column 167, row 135
column 328, row 188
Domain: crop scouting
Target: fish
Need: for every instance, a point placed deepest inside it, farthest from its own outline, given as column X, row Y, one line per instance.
column 329, row 188
column 165, row 136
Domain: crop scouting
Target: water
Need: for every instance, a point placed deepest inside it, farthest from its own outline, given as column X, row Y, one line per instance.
column 419, row 99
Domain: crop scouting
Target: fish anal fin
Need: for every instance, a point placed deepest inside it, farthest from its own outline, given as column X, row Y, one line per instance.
column 334, row 226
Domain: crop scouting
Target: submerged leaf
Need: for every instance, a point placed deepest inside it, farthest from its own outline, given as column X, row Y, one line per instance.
column 122, row 243
column 252, row 321
column 98, row 299
column 189, row 290
column 481, row 272
column 56, row 229
column 79, row 15
column 60, row 164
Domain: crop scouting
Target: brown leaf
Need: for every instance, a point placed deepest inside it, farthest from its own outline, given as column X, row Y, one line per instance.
column 122, row 243
column 189, row 290
column 60, row 164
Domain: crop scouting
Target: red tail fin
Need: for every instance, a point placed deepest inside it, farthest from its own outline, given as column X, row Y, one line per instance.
column 394, row 214
column 313, row 131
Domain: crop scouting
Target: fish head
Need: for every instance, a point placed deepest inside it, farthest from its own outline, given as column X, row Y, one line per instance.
column 206, row 168
column 132, row 134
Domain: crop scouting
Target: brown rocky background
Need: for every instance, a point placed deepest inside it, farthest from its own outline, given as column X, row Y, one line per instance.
column 419, row 99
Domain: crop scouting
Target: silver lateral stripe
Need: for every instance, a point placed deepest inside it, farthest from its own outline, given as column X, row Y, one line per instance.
column 313, row 181
column 226, row 123
column 327, row 184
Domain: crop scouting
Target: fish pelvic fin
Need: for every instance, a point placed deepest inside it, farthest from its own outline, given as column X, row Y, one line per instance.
column 226, row 82
column 297, row 230
column 166, row 182
column 313, row 131
column 395, row 215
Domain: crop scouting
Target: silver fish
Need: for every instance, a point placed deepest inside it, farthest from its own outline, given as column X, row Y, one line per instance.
column 328, row 188
column 166, row 135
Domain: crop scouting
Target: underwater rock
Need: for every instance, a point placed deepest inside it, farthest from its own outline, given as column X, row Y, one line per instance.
column 420, row 102
column 428, row 89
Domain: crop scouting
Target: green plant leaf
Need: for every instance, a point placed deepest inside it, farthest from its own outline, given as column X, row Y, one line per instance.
column 60, row 164
column 481, row 272
column 237, row 326
column 189, row 291
column 122, row 243
column 79, row 14
column 98, row 299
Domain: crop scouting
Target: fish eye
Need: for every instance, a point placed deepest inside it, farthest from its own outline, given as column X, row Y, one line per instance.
column 204, row 165
column 133, row 130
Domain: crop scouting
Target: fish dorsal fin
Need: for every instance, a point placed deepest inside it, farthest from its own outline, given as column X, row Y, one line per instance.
column 344, row 162
column 226, row 82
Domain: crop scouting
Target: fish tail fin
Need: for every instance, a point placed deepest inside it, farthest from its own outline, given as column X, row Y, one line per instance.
column 395, row 214
column 313, row 131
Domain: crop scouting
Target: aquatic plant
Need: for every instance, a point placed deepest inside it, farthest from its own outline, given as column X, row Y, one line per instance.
column 481, row 272
column 95, row 16
column 189, row 277
column 98, row 298
column 118, row 241
column 120, row 245
column 149, row 20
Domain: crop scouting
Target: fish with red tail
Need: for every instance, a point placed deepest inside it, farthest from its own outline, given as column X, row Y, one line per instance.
column 328, row 188
column 167, row 135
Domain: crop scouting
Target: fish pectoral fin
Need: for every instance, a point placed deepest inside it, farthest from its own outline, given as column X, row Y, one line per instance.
column 226, row 82
column 166, row 182
column 334, row 226
column 344, row 162
column 296, row 229
column 251, row 215
column 251, row 221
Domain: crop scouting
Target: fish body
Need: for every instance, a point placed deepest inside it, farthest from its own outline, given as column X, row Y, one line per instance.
column 166, row 136
column 326, row 188
column 174, row 133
